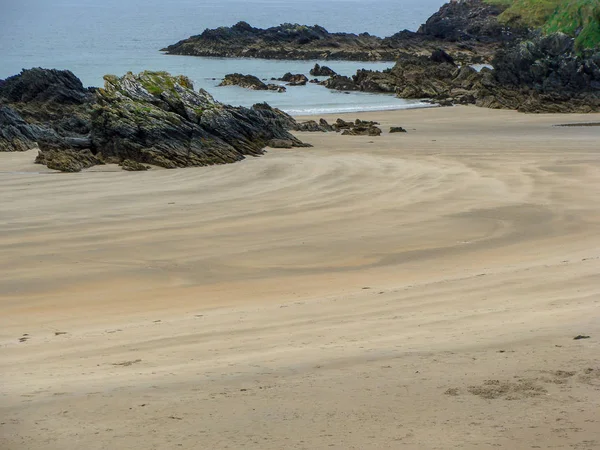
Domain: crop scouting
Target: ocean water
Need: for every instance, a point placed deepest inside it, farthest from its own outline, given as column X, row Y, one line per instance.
column 95, row 37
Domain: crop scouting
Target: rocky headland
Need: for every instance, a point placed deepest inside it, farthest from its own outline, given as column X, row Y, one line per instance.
column 149, row 118
column 468, row 29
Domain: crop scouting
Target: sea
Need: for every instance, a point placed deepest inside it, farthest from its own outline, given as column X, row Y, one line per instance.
column 92, row 38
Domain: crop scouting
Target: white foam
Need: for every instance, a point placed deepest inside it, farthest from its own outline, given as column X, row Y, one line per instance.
column 355, row 108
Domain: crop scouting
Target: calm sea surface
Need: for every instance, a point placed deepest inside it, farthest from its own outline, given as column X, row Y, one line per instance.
column 95, row 37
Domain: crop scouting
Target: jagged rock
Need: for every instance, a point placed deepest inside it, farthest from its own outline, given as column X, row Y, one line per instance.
column 286, row 41
column 465, row 20
column 158, row 119
column 133, row 166
column 280, row 143
column 150, row 118
column 67, row 160
column 340, row 83
column 53, row 104
column 544, row 74
column 322, row 71
column 362, row 131
column 364, row 123
column 312, row 125
column 295, row 79
column 249, row 82
column 397, row 130
column 341, row 124
column 16, row 135
column 301, row 42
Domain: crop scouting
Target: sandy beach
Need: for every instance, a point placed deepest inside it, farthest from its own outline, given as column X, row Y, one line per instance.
column 416, row 290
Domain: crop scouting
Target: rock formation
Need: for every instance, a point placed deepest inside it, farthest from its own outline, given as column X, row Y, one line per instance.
column 301, row 42
column 150, row 118
column 249, row 82
column 544, row 74
column 294, row 79
column 468, row 20
column 322, row 71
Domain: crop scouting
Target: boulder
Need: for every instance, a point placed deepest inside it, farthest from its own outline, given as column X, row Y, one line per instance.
column 249, row 82
column 322, row 71
column 340, row 83
column 312, row 125
column 67, row 160
column 133, row 166
column 362, row 131
column 397, row 130
column 294, row 79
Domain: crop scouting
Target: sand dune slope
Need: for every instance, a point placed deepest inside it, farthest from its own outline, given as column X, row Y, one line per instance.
column 417, row 291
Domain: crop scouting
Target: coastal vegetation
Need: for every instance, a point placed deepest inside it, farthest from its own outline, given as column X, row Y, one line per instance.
column 576, row 18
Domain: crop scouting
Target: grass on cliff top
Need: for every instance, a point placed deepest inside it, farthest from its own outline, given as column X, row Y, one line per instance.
column 577, row 18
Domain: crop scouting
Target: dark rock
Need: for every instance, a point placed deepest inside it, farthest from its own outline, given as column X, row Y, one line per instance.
column 312, row 125
column 341, row 124
column 16, row 135
column 150, row 118
column 249, row 82
column 362, row 131
column 67, row 160
column 133, row 166
column 322, row 71
column 340, row 83
column 154, row 118
column 280, row 143
column 440, row 56
column 580, row 336
column 397, row 130
column 466, row 20
column 544, row 74
column 286, row 41
column 295, row 79
column 44, row 86
column 314, row 80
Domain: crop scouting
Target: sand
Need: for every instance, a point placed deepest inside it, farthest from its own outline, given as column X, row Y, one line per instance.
column 408, row 291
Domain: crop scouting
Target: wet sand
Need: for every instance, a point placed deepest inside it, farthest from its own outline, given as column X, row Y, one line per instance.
column 417, row 290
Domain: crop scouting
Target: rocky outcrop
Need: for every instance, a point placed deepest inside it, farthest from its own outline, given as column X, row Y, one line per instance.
column 67, row 160
column 133, row 166
column 544, row 74
column 322, row 71
column 150, row 118
column 469, row 20
column 50, row 107
column 301, row 42
column 356, row 128
column 16, row 135
column 249, row 82
column 286, row 41
column 340, row 83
